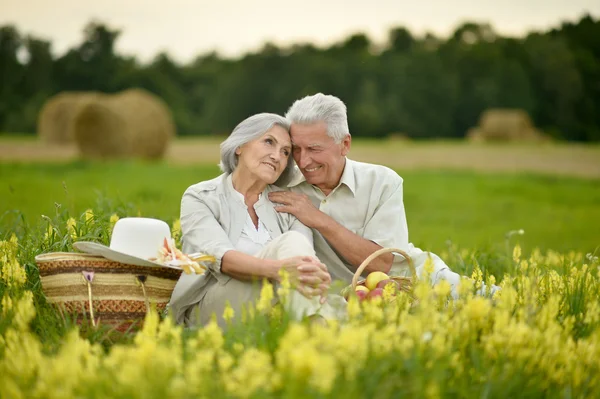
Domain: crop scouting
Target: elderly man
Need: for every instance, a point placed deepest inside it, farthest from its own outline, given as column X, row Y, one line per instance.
column 353, row 208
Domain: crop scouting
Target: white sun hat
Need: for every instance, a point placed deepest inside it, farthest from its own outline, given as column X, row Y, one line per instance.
column 134, row 241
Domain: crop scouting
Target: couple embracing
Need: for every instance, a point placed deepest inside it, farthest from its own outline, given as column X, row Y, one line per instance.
column 290, row 199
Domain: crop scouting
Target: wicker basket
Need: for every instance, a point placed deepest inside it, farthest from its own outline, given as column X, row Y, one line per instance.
column 406, row 283
column 97, row 289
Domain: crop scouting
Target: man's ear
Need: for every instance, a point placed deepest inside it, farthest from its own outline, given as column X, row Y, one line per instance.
column 346, row 144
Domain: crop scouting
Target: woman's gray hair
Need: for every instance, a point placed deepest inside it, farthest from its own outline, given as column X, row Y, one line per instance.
column 250, row 129
column 321, row 108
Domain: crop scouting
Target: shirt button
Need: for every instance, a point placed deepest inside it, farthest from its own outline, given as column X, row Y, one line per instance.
column 324, row 201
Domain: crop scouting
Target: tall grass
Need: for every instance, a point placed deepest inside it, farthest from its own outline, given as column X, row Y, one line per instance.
column 538, row 337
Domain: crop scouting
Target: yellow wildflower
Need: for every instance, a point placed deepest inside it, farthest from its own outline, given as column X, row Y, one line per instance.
column 283, row 290
column 114, row 218
column 11, row 271
column 266, row 297
column 88, row 216
column 71, row 228
column 517, row 254
column 244, row 380
column 228, row 312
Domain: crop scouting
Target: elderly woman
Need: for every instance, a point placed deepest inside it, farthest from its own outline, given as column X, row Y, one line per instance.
column 231, row 218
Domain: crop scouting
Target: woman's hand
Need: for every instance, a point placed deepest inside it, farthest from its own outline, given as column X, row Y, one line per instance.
column 307, row 275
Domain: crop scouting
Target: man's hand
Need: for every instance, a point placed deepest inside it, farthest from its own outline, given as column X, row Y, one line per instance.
column 298, row 205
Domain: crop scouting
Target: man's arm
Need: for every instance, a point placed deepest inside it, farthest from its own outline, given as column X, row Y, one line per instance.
column 354, row 248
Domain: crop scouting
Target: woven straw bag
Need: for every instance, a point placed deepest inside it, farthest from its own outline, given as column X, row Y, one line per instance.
column 406, row 283
column 98, row 289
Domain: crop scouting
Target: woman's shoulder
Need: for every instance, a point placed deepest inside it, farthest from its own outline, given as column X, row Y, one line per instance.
column 207, row 185
column 271, row 187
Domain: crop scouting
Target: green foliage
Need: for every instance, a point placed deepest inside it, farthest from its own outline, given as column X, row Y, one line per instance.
column 419, row 86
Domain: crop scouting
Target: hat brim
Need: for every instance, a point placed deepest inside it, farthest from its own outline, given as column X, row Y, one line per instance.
column 95, row 248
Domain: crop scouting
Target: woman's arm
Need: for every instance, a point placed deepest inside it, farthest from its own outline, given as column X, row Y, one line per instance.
column 247, row 267
column 202, row 232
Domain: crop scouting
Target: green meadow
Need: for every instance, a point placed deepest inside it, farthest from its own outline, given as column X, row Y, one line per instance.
column 539, row 337
column 468, row 209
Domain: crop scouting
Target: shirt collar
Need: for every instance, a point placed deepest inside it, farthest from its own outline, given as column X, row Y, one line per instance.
column 347, row 178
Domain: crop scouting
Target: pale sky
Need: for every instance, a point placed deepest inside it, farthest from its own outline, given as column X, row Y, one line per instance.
column 187, row 28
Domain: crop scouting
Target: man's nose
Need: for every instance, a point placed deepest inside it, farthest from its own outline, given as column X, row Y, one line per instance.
column 302, row 159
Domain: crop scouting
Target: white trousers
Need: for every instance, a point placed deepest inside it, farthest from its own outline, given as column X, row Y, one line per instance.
column 240, row 293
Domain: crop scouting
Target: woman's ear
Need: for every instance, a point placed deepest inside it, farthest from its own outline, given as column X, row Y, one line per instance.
column 238, row 151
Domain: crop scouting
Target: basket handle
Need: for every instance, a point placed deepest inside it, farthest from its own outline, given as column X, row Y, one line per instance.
column 375, row 254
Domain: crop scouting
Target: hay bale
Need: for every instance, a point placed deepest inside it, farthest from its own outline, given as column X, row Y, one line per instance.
column 475, row 135
column 398, row 136
column 55, row 119
column 133, row 123
column 504, row 125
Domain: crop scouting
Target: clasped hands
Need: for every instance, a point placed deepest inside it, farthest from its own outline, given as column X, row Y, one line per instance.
column 308, row 276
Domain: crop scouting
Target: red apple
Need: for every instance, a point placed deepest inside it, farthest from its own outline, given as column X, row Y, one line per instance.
column 376, row 293
column 361, row 288
column 361, row 295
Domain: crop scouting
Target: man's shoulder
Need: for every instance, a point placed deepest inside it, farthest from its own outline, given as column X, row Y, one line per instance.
column 374, row 172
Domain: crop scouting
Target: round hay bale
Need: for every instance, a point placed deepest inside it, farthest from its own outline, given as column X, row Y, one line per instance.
column 133, row 123
column 398, row 136
column 504, row 125
column 54, row 124
column 475, row 135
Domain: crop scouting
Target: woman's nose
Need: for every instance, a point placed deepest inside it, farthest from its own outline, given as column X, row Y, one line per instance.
column 275, row 155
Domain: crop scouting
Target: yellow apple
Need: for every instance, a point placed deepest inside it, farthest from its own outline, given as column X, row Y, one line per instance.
column 374, row 278
column 361, row 288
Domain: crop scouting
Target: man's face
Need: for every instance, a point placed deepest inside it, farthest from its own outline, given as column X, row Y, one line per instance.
column 320, row 159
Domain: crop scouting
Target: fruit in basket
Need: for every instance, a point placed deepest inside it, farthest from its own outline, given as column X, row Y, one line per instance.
column 374, row 278
column 362, row 288
column 376, row 293
column 361, row 291
column 362, row 294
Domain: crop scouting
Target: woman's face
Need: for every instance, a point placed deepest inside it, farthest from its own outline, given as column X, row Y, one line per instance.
column 267, row 156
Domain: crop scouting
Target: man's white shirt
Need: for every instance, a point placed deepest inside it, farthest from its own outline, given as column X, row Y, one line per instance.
column 369, row 202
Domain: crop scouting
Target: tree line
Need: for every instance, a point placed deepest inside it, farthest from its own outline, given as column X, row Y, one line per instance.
column 415, row 86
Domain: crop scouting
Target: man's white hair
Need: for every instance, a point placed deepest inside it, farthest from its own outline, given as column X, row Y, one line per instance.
column 321, row 108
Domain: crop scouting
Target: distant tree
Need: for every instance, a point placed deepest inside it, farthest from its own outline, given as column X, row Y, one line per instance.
column 11, row 72
column 556, row 80
column 400, row 40
column 421, row 86
column 93, row 65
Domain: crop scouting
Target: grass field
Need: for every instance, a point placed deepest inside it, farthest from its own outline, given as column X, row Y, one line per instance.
column 473, row 210
column 537, row 337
